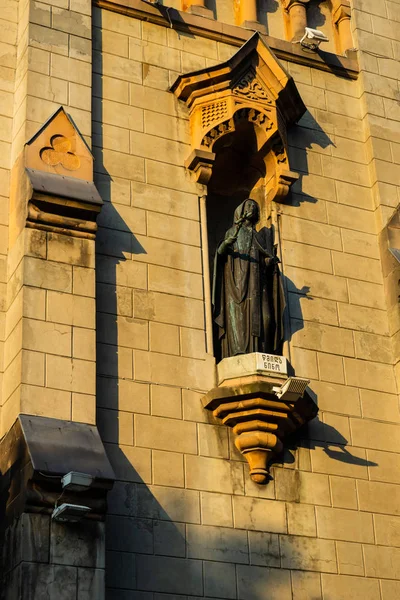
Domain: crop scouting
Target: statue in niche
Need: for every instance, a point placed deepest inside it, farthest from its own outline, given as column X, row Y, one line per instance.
column 248, row 297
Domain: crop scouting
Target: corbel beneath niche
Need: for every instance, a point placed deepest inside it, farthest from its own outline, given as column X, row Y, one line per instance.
column 251, row 92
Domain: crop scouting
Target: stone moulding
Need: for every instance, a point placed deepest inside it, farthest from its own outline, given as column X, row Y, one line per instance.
column 195, row 24
column 261, row 406
column 250, row 89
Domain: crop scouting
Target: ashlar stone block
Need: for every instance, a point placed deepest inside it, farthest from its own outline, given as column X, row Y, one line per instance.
column 306, row 585
column 386, row 467
column 48, row 275
column 361, row 588
column 382, row 561
column 216, row 509
column 169, row 575
column 379, row 497
column 214, row 475
column 350, row 558
column 168, row 503
column 258, row 514
column 169, row 538
column 217, row 543
column 168, row 469
column 346, row 525
column 308, row 554
column 264, row 549
column 294, row 485
column 165, row 434
column 219, row 580
column 301, row 519
column 344, row 493
column 83, row 547
column 262, row 583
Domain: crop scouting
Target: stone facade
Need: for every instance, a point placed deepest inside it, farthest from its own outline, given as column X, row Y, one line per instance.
column 184, row 519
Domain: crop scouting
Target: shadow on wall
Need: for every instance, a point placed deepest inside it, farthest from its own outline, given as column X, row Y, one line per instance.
column 317, row 434
column 301, row 137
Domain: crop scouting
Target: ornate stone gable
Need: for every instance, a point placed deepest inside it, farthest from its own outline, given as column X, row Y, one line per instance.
column 251, row 88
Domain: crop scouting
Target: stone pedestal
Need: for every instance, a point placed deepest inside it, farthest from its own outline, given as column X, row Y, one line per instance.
column 262, row 404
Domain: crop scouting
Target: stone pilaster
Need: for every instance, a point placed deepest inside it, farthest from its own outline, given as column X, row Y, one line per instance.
column 341, row 16
column 296, row 11
column 246, row 15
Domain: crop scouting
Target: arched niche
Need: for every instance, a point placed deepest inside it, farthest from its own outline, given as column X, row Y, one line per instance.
column 239, row 112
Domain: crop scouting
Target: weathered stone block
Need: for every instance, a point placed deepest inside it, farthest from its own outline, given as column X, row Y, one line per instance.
column 347, row 525
column 214, row 475
column 301, row 519
column 165, row 434
column 306, row 585
column 378, row 436
column 219, row 580
column 350, row 558
column 308, row 554
column 170, row 575
column 217, row 543
column 129, row 534
column 48, row 275
column 344, row 493
column 120, row 570
column 262, row 583
column 216, row 509
column 386, row 466
column 169, row 538
column 78, row 546
column 361, row 588
column 258, row 514
column 213, row 441
column 379, row 497
column 168, row 504
column 168, row 469
column 164, row 338
column 70, row 309
column 264, row 549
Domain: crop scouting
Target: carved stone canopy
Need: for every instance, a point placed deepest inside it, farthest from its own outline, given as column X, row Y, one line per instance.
column 253, row 91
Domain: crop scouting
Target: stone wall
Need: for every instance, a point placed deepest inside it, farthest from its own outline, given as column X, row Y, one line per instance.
column 194, row 524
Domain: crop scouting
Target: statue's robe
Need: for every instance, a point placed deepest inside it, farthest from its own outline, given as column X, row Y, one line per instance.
column 248, row 297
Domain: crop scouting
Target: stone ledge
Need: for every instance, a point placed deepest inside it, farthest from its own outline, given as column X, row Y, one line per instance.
column 231, row 34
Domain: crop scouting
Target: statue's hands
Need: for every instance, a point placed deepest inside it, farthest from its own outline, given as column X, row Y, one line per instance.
column 229, row 241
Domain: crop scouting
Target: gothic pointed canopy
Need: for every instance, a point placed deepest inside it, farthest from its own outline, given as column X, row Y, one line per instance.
column 251, row 87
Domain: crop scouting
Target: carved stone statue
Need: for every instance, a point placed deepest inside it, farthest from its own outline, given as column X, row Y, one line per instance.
column 248, row 298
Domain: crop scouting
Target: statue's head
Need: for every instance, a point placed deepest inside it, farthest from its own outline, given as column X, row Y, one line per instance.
column 251, row 210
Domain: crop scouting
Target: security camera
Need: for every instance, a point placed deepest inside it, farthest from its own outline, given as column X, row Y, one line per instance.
column 312, row 38
column 292, row 389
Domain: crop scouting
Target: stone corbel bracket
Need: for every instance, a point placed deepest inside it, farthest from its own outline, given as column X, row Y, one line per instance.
column 252, row 89
column 53, row 188
column 261, row 404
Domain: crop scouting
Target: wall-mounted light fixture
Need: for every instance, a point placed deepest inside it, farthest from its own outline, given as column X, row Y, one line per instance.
column 67, row 512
